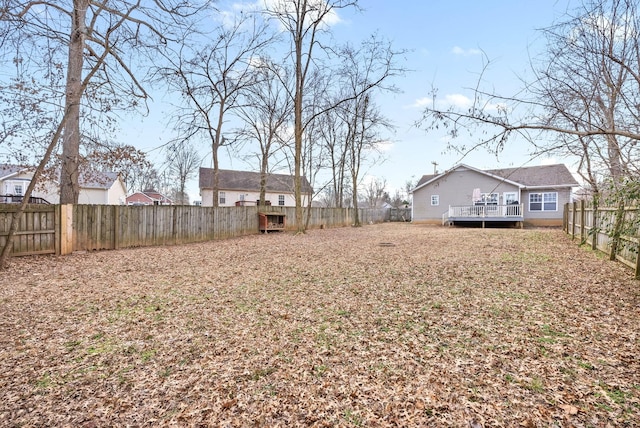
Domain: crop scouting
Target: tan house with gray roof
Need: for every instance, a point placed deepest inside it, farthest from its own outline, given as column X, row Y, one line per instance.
column 529, row 195
column 243, row 188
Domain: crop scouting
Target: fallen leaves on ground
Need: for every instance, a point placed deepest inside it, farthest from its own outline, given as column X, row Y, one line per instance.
column 384, row 325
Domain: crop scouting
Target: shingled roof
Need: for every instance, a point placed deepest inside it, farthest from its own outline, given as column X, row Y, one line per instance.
column 250, row 181
column 6, row 170
column 91, row 179
column 532, row 176
column 98, row 179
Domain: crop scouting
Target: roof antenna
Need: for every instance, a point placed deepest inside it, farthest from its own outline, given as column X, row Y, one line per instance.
column 435, row 167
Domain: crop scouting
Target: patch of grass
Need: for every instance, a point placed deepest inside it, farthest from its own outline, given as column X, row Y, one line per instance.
column 585, row 365
column 148, row 354
column 548, row 331
column 270, row 389
column 351, row 417
column 100, row 348
column 260, row 373
column 343, row 313
column 166, row 372
column 616, row 395
column 72, row 344
column 44, row 381
column 319, row 370
column 549, row 335
column 536, row 385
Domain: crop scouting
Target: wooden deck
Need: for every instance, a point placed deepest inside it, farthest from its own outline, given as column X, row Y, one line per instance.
column 484, row 214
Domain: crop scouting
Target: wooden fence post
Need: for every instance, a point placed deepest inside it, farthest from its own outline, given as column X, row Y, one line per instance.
column 594, row 228
column 116, row 227
column 66, row 229
column 583, row 218
column 573, row 220
column 617, row 228
column 637, row 272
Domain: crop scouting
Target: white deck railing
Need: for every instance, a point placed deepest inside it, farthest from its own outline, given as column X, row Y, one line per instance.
column 480, row 212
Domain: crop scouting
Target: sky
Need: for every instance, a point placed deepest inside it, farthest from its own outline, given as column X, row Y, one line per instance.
column 447, row 44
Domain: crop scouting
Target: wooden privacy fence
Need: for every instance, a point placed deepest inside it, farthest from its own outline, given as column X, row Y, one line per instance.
column 61, row 229
column 38, row 230
column 592, row 226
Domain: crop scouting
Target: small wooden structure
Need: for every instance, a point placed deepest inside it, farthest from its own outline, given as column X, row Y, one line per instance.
column 268, row 221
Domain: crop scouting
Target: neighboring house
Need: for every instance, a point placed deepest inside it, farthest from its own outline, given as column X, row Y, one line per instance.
column 243, row 188
column 530, row 195
column 148, row 197
column 101, row 188
column 95, row 188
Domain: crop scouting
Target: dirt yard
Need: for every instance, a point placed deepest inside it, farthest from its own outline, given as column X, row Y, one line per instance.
column 385, row 325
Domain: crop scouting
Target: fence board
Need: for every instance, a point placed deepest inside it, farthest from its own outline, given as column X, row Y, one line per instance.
column 583, row 221
column 36, row 232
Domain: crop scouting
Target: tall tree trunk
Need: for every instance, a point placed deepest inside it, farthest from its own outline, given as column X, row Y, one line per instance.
column 264, row 164
column 297, row 186
column 69, row 184
column 217, row 142
column 356, row 215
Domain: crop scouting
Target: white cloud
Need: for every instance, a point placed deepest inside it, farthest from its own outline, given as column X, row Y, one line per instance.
column 422, row 102
column 332, row 18
column 450, row 100
column 457, row 50
column 384, row 146
column 458, row 100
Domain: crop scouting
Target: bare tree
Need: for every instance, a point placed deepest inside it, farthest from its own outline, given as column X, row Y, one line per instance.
column 265, row 112
column 182, row 164
column 365, row 70
column 584, row 98
column 304, row 21
column 91, row 37
column 374, row 192
column 332, row 136
column 124, row 159
column 212, row 80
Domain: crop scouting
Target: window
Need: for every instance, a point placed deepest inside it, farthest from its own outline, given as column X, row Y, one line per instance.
column 241, row 197
column 435, row 200
column 281, row 200
column 222, row 198
column 510, row 198
column 543, row 201
column 17, row 189
column 488, row 199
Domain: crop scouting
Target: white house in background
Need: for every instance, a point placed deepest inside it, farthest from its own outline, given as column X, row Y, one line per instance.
column 243, row 188
column 529, row 195
column 98, row 188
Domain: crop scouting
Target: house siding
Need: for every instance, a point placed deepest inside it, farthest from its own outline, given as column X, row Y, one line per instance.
column 455, row 188
column 232, row 196
column 93, row 196
column 546, row 218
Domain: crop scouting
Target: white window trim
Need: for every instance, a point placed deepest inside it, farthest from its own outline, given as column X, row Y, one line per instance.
column 505, row 195
column 222, row 198
column 281, row 200
column 436, row 199
column 542, row 201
